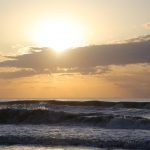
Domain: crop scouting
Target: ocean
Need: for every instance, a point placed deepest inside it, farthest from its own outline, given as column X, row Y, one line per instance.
column 74, row 124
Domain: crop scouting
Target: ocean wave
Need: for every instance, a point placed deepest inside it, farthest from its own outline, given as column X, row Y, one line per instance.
column 24, row 116
column 46, row 141
column 47, row 103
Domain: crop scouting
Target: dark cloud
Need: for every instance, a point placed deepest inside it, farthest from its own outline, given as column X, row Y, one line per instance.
column 17, row 74
column 86, row 60
column 37, row 60
column 21, row 73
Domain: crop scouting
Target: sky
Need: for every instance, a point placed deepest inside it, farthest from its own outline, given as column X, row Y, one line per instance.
column 74, row 49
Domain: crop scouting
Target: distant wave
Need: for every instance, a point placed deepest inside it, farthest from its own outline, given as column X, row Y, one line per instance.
column 14, row 116
column 142, row 105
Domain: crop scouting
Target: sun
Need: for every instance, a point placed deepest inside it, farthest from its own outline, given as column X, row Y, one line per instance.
column 58, row 34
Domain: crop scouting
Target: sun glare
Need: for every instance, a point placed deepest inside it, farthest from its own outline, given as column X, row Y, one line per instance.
column 58, row 34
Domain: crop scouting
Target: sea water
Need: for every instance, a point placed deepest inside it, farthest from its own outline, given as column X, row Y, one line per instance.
column 49, row 148
column 74, row 125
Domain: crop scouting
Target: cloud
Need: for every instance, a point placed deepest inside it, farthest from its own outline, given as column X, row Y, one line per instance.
column 86, row 60
column 147, row 25
column 135, row 79
column 138, row 39
column 17, row 74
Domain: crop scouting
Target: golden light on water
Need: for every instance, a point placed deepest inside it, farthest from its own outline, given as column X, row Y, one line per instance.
column 58, row 34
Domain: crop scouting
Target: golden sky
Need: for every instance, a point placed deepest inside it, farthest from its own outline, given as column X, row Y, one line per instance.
column 74, row 48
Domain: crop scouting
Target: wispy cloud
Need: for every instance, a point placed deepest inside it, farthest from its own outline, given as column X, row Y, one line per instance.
column 135, row 79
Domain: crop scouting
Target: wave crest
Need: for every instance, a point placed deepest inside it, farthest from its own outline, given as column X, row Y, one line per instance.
column 13, row 116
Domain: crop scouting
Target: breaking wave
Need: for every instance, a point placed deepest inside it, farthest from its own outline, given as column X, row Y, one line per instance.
column 24, row 116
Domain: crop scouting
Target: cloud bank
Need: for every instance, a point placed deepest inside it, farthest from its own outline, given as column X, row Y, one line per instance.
column 86, row 60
